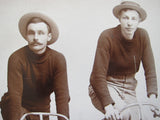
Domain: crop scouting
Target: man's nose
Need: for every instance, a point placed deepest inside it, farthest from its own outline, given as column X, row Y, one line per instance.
column 35, row 37
column 129, row 22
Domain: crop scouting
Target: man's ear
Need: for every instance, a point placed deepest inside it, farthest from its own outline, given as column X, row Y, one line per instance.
column 49, row 36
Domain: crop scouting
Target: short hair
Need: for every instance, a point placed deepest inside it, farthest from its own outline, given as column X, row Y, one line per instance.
column 38, row 20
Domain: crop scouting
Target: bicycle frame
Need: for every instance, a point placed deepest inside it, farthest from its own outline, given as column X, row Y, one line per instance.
column 41, row 114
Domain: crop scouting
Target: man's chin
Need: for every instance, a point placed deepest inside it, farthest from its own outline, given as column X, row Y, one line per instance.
column 35, row 48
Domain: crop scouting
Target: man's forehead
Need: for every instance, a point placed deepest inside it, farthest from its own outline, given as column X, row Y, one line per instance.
column 134, row 12
column 37, row 26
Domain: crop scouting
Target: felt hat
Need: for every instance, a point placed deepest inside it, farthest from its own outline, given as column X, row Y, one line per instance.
column 27, row 17
column 130, row 5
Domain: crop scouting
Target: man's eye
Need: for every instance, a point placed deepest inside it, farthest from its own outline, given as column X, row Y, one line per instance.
column 134, row 18
column 125, row 18
column 30, row 32
column 41, row 33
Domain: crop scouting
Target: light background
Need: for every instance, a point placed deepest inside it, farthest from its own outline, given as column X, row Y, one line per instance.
column 80, row 23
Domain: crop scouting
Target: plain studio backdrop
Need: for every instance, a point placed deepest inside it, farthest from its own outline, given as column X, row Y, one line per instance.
column 80, row 23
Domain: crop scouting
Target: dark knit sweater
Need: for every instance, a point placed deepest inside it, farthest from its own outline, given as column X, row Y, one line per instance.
column 31, row 80
column 116, row 56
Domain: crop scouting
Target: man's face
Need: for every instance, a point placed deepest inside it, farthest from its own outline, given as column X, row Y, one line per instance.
column 129, row 20
column 38, row 36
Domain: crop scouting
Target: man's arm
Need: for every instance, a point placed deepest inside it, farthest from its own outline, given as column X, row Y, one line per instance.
column 149, row 66
column 15, row 88
column 61, row 87
column 100, row 69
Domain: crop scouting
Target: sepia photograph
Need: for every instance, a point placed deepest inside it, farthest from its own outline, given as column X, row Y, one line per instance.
column 79, row 60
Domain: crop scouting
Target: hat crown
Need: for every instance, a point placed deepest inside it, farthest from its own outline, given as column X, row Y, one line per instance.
column 130, row 3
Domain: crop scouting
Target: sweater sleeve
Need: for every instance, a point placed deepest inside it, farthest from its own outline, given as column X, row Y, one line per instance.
column 100, row 68
column 15, row 88
column 149, row 66
column 61, row 87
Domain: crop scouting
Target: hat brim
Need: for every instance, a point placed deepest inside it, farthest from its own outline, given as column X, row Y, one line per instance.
column 27, row 17
column 140, row 10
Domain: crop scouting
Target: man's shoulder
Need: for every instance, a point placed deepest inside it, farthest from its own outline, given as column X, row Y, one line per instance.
column 19, row 51
column 18, row 54
column 141, row 31
column 110, row 31
column 54, row 53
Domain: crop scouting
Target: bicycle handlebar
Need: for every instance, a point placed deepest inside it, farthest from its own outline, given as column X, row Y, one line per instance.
column 41, row 114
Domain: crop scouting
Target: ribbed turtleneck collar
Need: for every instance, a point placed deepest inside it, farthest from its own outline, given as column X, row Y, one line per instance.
column 37, row 58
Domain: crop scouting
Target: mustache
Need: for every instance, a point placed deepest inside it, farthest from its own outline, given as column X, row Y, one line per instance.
column 37, row 43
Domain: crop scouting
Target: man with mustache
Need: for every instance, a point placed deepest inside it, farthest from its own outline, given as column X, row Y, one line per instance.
column 35, row 71
column 119, row 53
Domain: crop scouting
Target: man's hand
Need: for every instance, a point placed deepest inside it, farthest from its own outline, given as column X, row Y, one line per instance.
column 154, row 101
column 112, row 113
